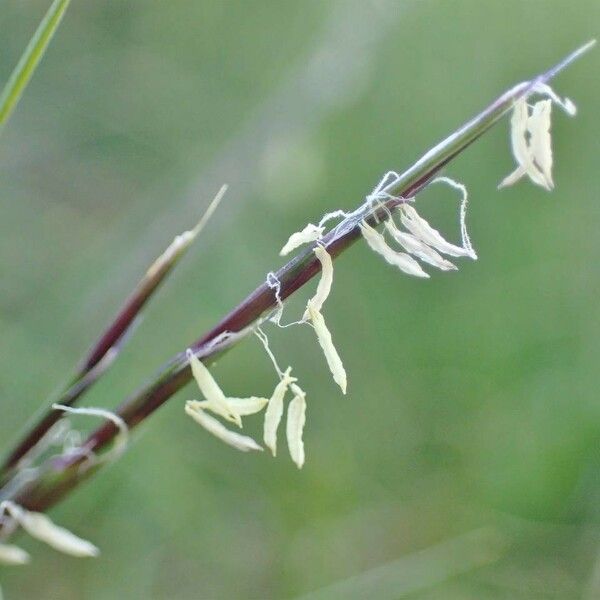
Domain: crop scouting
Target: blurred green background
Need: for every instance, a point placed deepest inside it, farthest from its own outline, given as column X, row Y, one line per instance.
column 473, row 413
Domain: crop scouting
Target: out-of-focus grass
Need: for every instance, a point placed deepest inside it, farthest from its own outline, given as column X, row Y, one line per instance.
column 29, row 59
column 472, row 397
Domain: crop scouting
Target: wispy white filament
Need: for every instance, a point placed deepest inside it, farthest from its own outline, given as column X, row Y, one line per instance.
column 566, row 104
column 310, row 233
column 377, row 243
column 334, row 362
column 335, row 214
column 232, row 438
column 385, row 183
column 39, row 526
column 275, row 285
column 121, row 439
column 264, row 340
column 296, row 419
column 464, row 234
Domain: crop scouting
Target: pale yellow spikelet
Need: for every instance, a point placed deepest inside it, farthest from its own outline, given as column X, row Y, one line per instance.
column 422, row 230
column 530, row 137
column 521, row 149
column 403, row 261
column 325, row 282
column 296, row 419
column 211, row 390
column 243, row 443
column 418, row 248
column 241, row 406
column 310, row 233
column 13, row 555
column 334, row 362
column 274, row 411
column 41, row 527
column 540, row 141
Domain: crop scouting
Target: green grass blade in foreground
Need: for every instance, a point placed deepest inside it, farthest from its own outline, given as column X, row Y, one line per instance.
column 29, row 60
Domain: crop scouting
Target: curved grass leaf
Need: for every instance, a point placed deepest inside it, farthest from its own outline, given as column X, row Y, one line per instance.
column 30, row 58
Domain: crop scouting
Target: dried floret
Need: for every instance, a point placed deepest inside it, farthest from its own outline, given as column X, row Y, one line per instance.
column 530, row 137
column 540, row 141
column 521, row 137
column 274, row 411
column 296, row 418
column 418, row 248
column 403, row 261
column 211, row 390
column 334, row 362
column 241, row 406
column 423, row 231
column 325, row 282
column 232, row 438
column 39, row 526
column 13, row 555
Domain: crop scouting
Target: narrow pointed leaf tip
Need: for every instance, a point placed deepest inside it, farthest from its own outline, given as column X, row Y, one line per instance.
column 240, row 442
column 182, row 242
column 568, row 60
column 296, row 419
column 274, row 411
column 41, row 527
